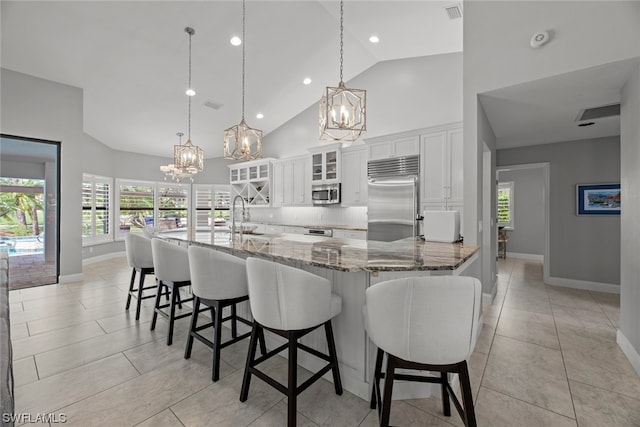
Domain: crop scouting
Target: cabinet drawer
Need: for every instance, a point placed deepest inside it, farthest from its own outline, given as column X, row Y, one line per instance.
column 293, row 229
column 350, row 234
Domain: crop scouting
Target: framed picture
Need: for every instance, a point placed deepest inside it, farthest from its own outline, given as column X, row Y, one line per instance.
column 598, row 199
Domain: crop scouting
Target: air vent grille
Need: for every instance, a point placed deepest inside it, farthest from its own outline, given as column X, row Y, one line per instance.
column 598, row 112
column 395, row 166
column 454, row 12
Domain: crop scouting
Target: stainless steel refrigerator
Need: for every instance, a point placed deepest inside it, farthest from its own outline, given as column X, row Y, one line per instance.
column 393, row 198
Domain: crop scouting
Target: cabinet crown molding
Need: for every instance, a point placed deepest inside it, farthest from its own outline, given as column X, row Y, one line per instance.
column 415, row 132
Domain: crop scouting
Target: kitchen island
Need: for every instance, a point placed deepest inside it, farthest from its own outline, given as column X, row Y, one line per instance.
column 351, row 266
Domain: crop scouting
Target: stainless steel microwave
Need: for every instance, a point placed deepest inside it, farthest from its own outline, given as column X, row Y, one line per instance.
column 327, row 194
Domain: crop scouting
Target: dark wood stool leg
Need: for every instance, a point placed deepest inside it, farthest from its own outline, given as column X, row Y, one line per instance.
column 217, row 340
column 375, row 387
column 335, row 369
column 172, row 311
column 293, row 381
column 446, row 404
column 140, row 287
column 192, row 327
column 133, row 279
column 156, row 305
column 263, row 346
column 388, row 389
column 234, row 323
column 467, row 396
column 256, row 330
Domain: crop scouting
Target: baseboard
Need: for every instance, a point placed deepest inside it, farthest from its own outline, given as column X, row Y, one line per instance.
column 70, row 278
column 104, row 257
column 583, row 284
column 627, row 348
column 518, row 255
column 488, row 298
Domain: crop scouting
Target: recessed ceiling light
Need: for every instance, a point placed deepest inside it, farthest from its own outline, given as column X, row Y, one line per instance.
column 260, row 115
column 374, row 39
column 236, row 41
column 306, row 80
column 190, row 92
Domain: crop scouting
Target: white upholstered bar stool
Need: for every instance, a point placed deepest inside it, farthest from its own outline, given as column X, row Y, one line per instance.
column 140, row 259
column 290, row 303
column 171, row 264
column 218, row 280
column 424, row 324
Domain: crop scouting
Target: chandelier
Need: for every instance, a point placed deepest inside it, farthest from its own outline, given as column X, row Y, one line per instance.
column 242, row 142
column 342, row 110
column 188, row 159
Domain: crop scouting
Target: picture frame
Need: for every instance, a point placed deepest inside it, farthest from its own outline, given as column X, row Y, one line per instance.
column 598, row 199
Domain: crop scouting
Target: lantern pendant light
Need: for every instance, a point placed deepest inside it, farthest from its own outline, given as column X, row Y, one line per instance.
column 343, row 115
column 240, row 141
column 187, row 157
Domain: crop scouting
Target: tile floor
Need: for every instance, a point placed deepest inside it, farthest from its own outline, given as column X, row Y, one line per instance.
column 30, row 270
column 546, row 357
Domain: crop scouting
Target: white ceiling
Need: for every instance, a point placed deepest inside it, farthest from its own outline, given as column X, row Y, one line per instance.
column 130, row 57
column 544, row 111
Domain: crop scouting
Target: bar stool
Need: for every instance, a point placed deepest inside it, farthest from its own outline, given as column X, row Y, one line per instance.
column 218, row 280
column 290, row 303
column 425, row 324
column 172, row 271
column 140, row 259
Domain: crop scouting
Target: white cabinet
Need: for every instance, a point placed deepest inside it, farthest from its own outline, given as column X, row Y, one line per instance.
column 251, row 181
column 273, row 229
column 325, row 164
column 441, row 170
column 292, row 229
column 350, row 234
column 354, row 176
column 397, row 147
column 292, row 182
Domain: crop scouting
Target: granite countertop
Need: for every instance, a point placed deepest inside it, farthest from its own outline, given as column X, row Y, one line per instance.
column 319, row 227
column 349, row 254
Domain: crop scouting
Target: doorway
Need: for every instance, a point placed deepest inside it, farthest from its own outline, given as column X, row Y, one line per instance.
column 29, row 209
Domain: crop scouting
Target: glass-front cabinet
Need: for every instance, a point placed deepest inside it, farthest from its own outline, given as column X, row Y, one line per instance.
column 251, row 180
column 325, row 164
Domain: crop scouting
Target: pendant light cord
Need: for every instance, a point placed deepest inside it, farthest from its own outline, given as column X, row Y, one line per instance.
column 190, row 32
column 243, row 47
column 341, row 35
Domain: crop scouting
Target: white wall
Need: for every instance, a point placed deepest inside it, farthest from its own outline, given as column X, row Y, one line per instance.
column 497, row 54
column 402, row 95
column 527, row 236
column 630, row 228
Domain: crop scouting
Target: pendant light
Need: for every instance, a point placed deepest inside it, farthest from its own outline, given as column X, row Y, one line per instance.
column 342, row 111
column 189, row 158
column 240, row 141
column 173, row 172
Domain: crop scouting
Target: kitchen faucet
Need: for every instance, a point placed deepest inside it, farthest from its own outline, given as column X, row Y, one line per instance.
column 233, row 216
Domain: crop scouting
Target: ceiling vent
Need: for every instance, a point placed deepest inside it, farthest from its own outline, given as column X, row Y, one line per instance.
column 598, row 112
column 454, row 12
column 214, row 105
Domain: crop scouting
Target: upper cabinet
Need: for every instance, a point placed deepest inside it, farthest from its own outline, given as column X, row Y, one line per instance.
column 396, row 147
column 354, row 176
column 252, row 181
column 292, row 182
column 442, row 167
column 325, row 164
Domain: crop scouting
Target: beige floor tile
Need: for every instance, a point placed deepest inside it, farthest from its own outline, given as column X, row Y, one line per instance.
column 58, row 302
column 55, row 339
column 138, row 399
column 529, row 372
column 403, row 414
column 24, row 371
column 535, row 328
column 580, row 318
column 47, row 313
column 60, row 390
column 498, row 410
column 38, row 292
column 165, row 418
column 277, row 416
column 67, row 319
column 433, row 405
column 78, row 354
column 477, row 364
column 220, row 402
column 574, row 298
column 126, row 319
column 596, row 407
column 19, row 330
column 528, row 301
column 483, row 344
column 593, row 357
column 491, row 321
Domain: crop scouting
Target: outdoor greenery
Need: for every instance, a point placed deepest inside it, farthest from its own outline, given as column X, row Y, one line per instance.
column 21, row 213
column 504, row 211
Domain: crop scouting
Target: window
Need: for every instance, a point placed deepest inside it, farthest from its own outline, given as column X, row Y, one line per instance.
column 96, row 209
column 505, row 204
column 136, row 205
column 211, row 201
column 173, row 204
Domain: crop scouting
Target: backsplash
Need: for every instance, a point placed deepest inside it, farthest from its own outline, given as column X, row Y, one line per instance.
column 310, row 215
